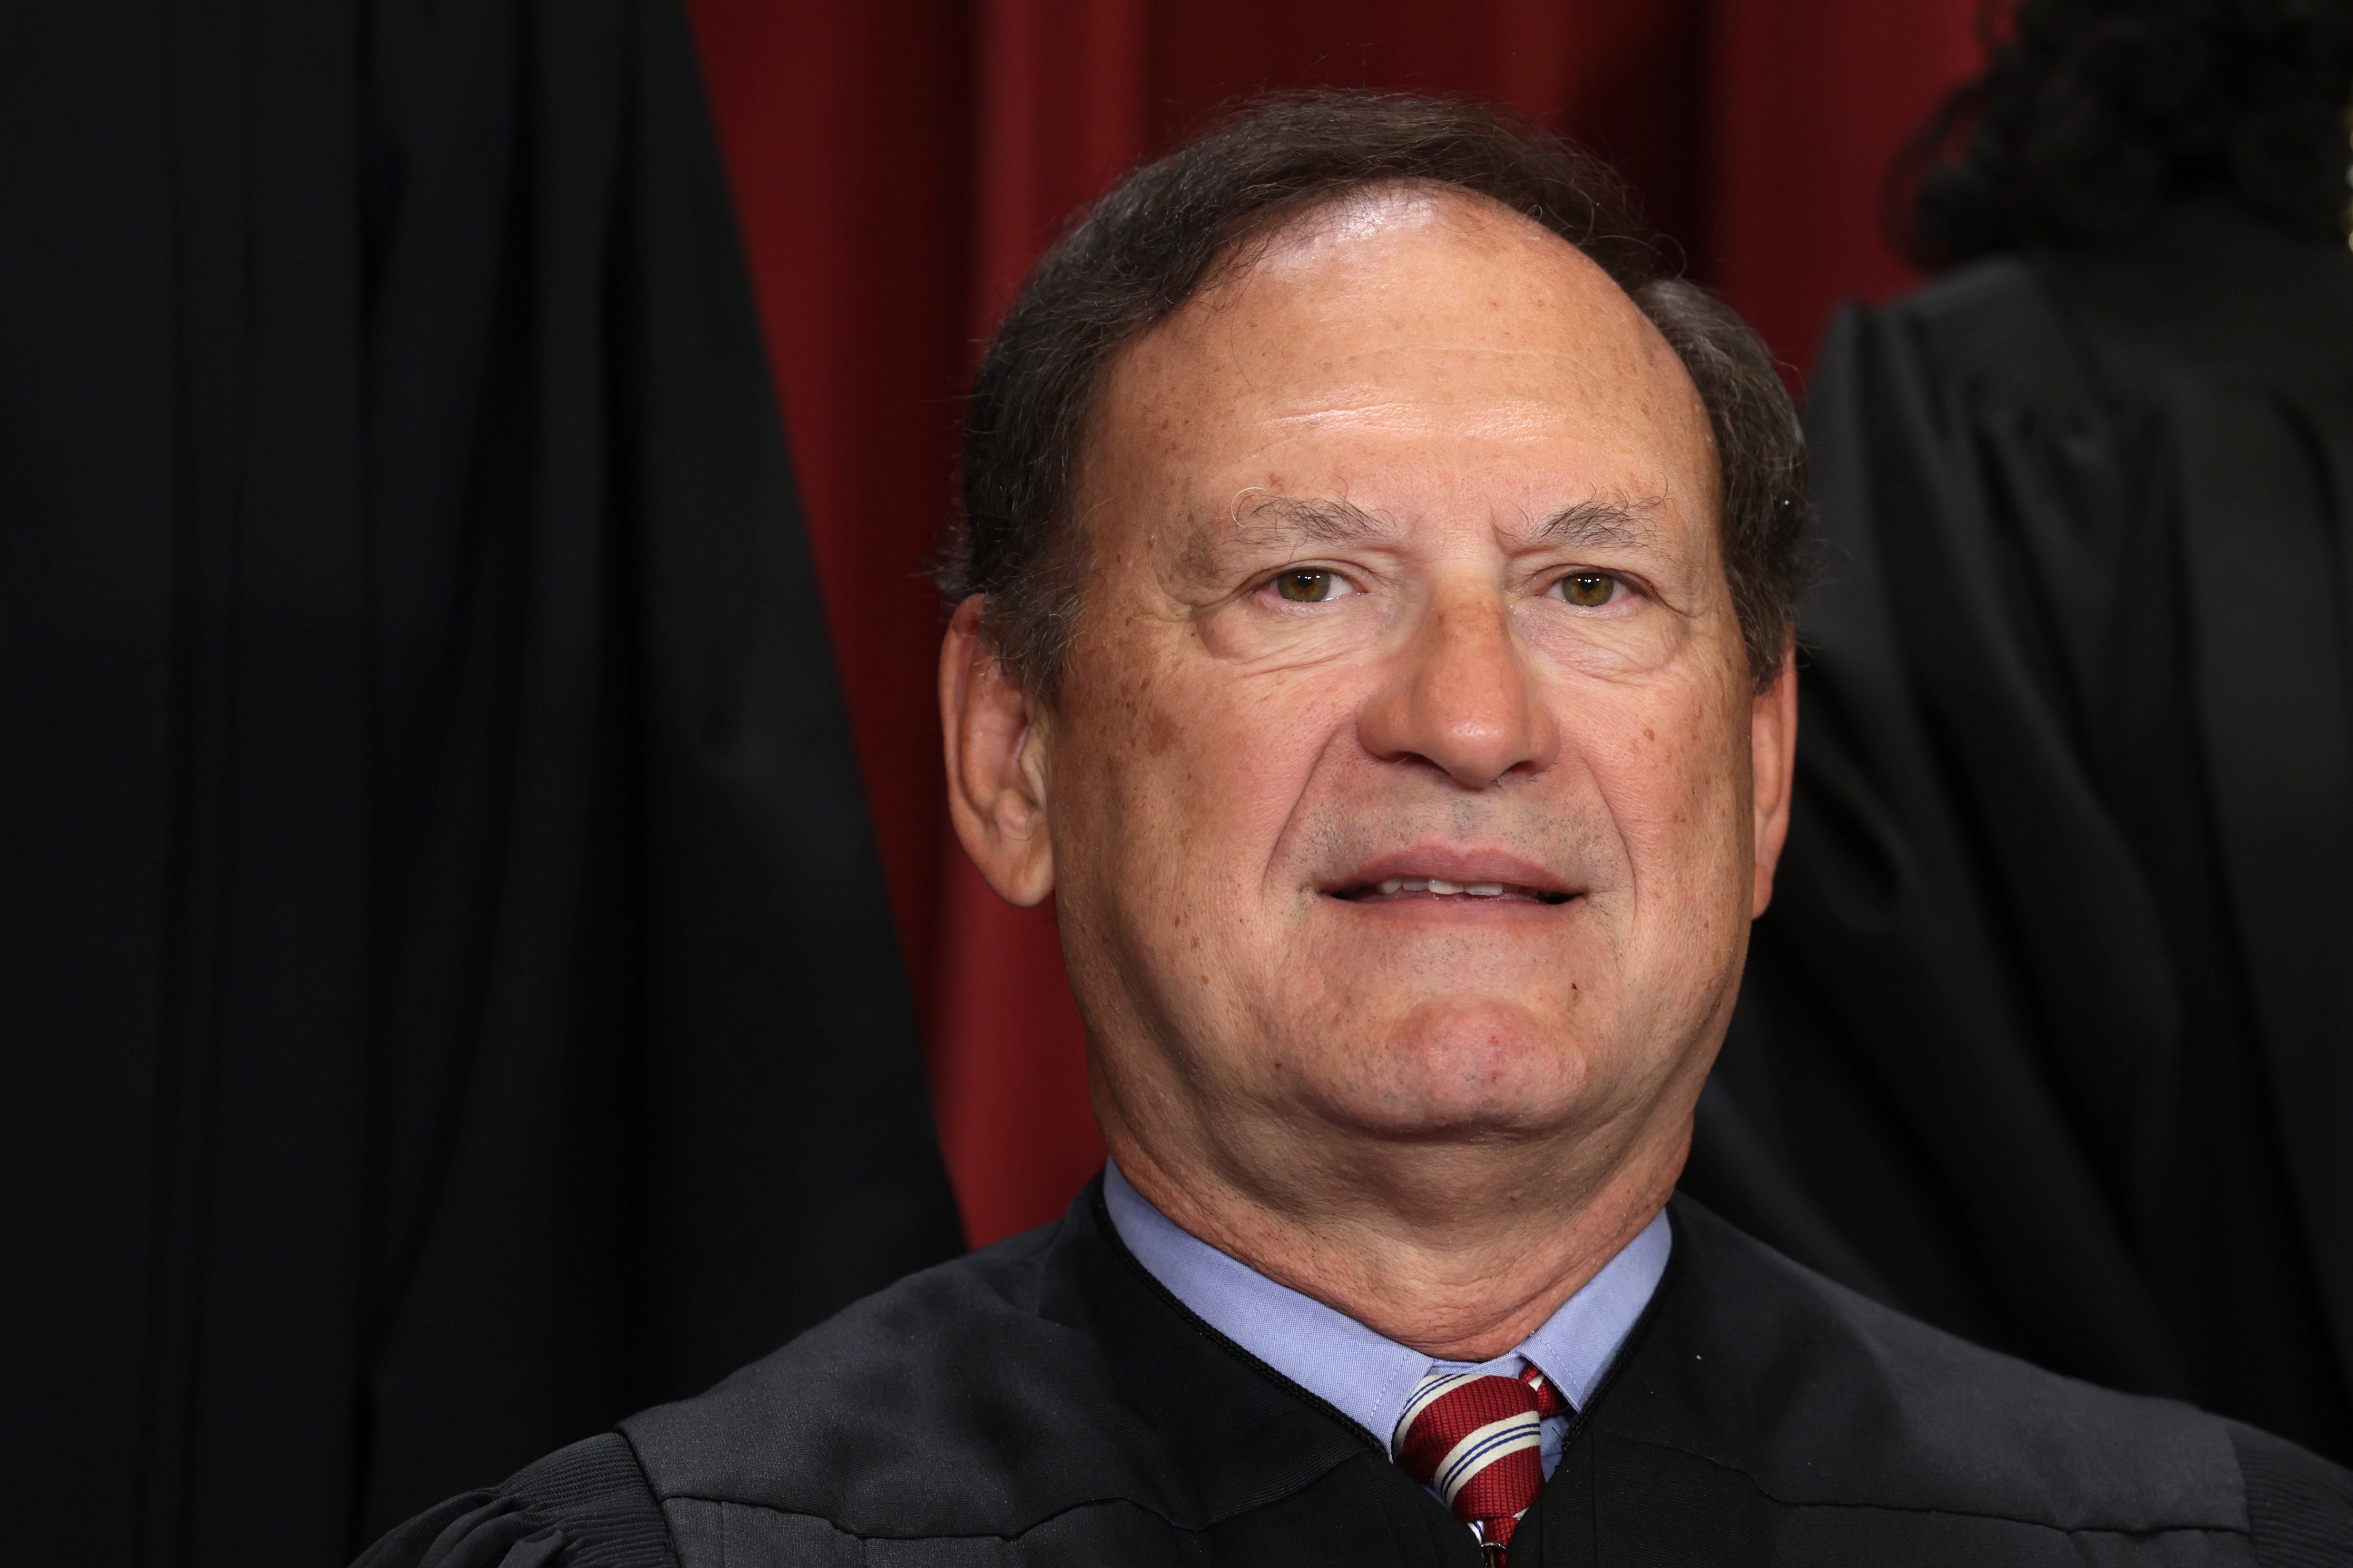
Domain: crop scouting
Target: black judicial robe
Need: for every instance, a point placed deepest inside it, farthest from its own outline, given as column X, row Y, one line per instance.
column 1045, row 1402
column 2048, row 1038
column 446, row 998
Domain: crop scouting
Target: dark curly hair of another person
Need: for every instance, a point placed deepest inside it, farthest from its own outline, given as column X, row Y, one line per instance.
column 2094, row 115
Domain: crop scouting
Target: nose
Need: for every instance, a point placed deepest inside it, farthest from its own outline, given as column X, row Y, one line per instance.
column 1460, row 696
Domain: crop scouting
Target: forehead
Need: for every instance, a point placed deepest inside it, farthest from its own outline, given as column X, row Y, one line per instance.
column 1427, row 335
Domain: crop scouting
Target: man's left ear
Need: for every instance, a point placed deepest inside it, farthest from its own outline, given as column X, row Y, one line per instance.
column 1773, row 750
column 995, row 744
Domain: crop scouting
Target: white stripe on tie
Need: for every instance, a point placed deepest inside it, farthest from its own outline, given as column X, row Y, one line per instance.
column 1481, row 1448
column 1432, row 1387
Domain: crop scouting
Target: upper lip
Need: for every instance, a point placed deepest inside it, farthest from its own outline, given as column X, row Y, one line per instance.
column 1453, row 863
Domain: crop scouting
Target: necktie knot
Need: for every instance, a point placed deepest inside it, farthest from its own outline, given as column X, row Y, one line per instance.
column 1477, row 1440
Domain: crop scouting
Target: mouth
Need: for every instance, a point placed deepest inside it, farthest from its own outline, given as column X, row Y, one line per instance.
column 1395, row 890
column 1482, row 879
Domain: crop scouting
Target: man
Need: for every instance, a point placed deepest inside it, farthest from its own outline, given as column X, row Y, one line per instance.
column 1374, row 636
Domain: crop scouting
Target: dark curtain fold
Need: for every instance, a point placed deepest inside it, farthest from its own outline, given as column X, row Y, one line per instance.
column 447, row 996
column 2049, row 1036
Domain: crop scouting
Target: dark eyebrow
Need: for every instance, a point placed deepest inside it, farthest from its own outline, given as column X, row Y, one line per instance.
column 1596, row 522
column 1324, row 522
column 1617, row 524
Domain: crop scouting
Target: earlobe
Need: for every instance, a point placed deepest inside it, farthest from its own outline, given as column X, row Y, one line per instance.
column 1773, row 750
column 996, row 744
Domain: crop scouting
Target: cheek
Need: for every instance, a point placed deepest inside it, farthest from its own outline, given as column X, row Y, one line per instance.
column 1185, row 773
column 1179, row 789
column 1671, row 762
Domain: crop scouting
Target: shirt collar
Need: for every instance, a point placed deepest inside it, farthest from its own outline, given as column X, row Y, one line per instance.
column 1362, row 1374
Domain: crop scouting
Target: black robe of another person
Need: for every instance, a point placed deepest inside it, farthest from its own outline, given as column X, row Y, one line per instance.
column 1046, row 1402
column 446, row 999
column 2048, row 1038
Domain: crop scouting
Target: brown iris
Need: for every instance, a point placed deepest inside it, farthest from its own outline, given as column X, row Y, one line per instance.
column 1588, row 588
column 1304, row 586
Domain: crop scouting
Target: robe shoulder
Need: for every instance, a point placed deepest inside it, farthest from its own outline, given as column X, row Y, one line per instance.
column 985, row 1397
column 587, row 1505
column 1820, row 1398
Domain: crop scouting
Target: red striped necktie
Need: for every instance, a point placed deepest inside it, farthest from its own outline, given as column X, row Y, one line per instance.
column 1477, row 1440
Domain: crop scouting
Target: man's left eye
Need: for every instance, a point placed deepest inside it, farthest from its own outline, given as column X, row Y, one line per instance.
column 1308, row 585
column 1589, row 588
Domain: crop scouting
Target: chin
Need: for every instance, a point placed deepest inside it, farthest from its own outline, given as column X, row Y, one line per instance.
column 1454, row 1069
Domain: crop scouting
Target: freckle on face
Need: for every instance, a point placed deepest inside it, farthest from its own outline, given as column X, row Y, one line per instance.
column 1450, row 372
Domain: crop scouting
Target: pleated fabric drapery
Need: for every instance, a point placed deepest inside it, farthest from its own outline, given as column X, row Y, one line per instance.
column 2045, row 1036
column 448, row 995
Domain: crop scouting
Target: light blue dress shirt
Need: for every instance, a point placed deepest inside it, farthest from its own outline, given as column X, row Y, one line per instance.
column 1359, row 1372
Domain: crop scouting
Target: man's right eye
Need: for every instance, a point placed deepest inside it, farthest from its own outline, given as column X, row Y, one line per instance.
column 1307, row 585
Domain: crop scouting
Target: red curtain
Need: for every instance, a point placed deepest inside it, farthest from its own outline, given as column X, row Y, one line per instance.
column 897, row 168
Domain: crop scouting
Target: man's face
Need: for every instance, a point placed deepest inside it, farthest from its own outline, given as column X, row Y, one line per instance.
column 1402, row 780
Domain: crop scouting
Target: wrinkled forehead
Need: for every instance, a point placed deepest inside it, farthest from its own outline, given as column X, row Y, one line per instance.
column 1427, row 324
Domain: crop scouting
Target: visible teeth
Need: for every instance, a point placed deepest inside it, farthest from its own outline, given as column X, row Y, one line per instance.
column 1390, row 886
